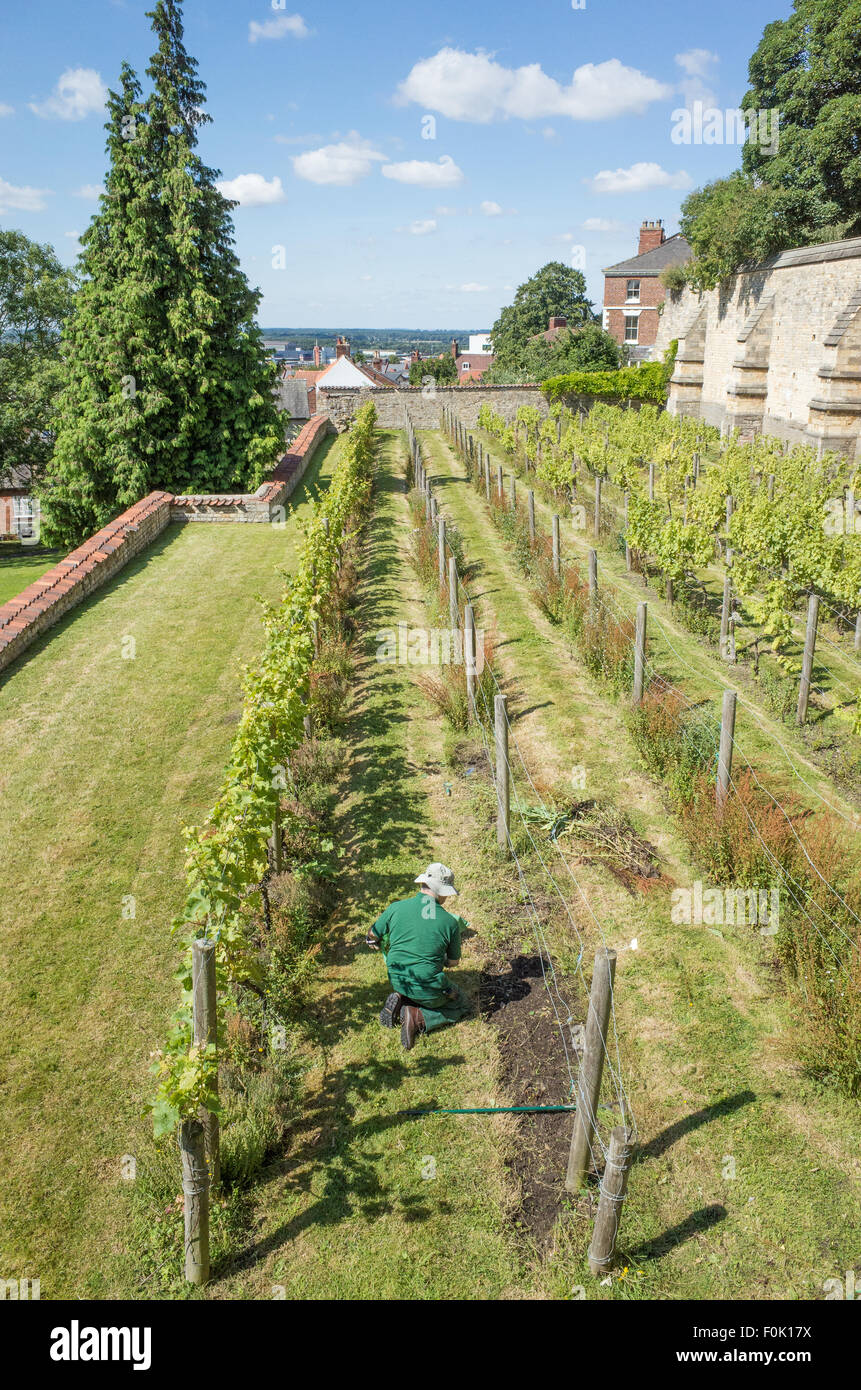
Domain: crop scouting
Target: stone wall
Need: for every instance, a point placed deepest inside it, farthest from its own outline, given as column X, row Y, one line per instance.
column 341, row 403
column 775, row 350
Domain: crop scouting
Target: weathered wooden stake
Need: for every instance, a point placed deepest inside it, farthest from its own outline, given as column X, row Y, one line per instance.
column 557, row 553
column 858, row 633
column 469, row 655
column 503, row 785
column 771, row 487
column 597, row 522
column 614, row 1185
column 530, row 502
column 727, row 731
column 513, row 491
column 440, row 547
column 807, row 662
column 277, row 842
column 500, row 486
column 593, row 576
column 487, row 479
column 205, row 1031
column 452, row 593
column 627, row 546
column 195, row 1190
column 640, row 652
column 651, row 482
column 591, row 1068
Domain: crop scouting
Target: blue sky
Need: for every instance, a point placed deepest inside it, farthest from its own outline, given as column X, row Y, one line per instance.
column 551, row 135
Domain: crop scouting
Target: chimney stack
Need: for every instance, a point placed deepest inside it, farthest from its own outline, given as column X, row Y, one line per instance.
column 455, row 349
column 318, row 356
column 342, row 347
column 558, row 322
column 651, row 235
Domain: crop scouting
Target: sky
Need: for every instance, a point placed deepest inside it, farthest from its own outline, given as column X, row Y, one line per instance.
column 396, row 165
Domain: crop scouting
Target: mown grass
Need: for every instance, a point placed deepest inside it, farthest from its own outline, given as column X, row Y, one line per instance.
column 749, row 1174
column 20, row 566
column 102, row 759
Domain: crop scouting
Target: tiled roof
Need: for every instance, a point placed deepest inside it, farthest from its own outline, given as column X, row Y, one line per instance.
column 674, row 251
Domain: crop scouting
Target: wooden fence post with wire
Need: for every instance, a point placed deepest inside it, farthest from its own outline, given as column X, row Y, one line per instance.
column 807, row 661
column 727, row 732
column 195, row 1191
column 503, row 786
column 591, row 1068
column 614, row 1185
column 640, row 653
column 469, row 656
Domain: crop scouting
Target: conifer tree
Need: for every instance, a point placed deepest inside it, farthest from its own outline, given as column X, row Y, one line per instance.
column 167, row 383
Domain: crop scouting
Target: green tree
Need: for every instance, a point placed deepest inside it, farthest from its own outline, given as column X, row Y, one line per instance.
column 168, row 382
column 805, row 186
column 35, row 299
column 442, row 369
column 555, row 291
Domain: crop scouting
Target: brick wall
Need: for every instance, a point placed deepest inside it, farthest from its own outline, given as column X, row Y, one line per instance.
column 260, row 505
column 776, row 349
column 43, row 603
column 615, row 304
column 62, row 588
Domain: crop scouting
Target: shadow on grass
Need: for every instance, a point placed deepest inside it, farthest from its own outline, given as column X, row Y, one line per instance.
column 673, row 1133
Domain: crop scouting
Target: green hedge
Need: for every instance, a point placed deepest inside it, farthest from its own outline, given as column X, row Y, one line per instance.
column 645, row 383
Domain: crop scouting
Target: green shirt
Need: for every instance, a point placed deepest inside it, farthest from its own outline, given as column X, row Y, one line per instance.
column 418, row 936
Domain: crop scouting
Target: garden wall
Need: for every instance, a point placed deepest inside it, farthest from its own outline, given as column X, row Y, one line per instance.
column 24, row 618
column 775, row 349
column 340, row 403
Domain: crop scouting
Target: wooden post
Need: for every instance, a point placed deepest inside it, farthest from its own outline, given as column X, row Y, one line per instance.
column 627, row 546
column 614, row 1185
column 503, row 785
column 727, row 730
column 591, row 1068
column 597, row 523
column 452, row 593
column 315, row 634
column 640, row 652
column 724, row 613
column 487, row 479
column 513, row 492
column 593, row 576
column 469, row 655
column 440, row 546
column 195, row 1190
column 651, row 482
column 807, row 662
column 277, row 841
column 205, row 1031
column 558, row 429
column 730, row 505
column 557, row 556
column 530, row 499
column 858, row 633
column 308, row 726
column 499, row 483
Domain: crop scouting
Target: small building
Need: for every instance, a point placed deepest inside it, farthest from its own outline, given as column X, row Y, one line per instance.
column 471, row 366
column 633, row 292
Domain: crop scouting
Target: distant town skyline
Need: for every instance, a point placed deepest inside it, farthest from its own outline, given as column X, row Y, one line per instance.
column 414, row 172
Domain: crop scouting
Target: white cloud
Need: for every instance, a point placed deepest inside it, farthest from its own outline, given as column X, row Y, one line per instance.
column 91, row 191
column 425, row 173
column 6, row 109
column 471, row 288
column 78, row 92
column 491, row 209
column 292, row 24
column 341, row 164
column 472, row 87
column 637, row 179
column 22, row 199
column 421, row 228
column 252, row 190
column 445, row 211
column 697, row 65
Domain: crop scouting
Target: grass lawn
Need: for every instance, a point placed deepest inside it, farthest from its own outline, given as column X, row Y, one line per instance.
column 21, row 565
column 102, row 760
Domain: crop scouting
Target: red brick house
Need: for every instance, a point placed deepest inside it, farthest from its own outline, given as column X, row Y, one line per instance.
column 471, row 366
column 633, row 292
column 16, row 504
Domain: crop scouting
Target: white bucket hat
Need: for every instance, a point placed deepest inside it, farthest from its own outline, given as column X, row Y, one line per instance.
column 439, row 879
